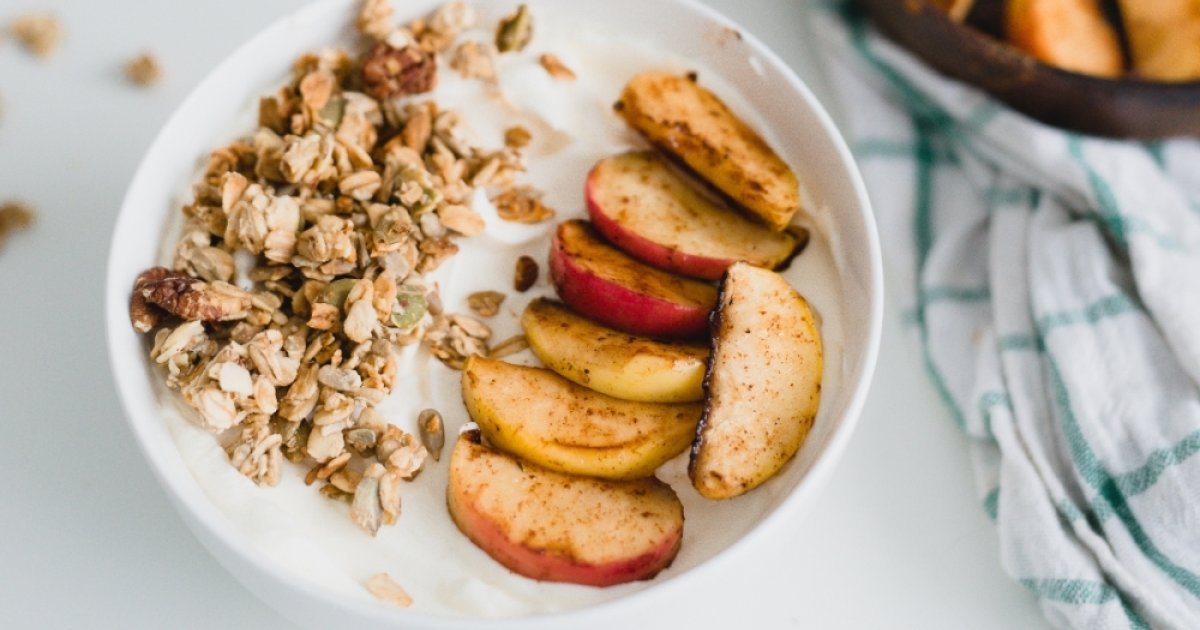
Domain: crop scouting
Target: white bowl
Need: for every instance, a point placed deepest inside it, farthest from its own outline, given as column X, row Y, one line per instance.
column 797, row 125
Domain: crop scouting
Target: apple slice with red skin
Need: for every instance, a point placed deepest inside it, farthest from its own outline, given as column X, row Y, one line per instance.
column 561, row 528
column 646, row 208
column 621, row 365
column 601, row 282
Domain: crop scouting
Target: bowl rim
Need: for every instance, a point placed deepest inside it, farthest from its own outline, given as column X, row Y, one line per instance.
column 210, row 526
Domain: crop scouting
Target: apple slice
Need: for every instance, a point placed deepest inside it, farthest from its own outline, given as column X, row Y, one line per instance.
column 612, row 362
column 542, row 417
column 602, row 283
column 689, row 122
column 640, row 204
column 561, row 528
column 764, row 383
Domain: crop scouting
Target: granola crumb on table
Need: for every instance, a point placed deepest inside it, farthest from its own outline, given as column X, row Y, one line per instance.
column 14, row 217
column 38, row 33
column 346, row 195
column 143, row 70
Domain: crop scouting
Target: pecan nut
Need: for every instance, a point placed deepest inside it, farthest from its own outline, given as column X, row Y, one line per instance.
column 158, row 291
column 142, row 314
column 389, row 72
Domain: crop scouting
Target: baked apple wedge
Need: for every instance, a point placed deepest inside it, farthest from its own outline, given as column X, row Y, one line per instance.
column 612, row 362
column 643, row 206
column 602, row 283
column 689, row 122
column 764, row 383
column 561, row 528
column 543, row 418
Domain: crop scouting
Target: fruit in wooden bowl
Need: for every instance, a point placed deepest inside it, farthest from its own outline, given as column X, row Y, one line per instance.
column 764, row 383
column 543, row 418
column 601, row 282
column 1157, row 98
column 1070, row 34
column 643, row 206
column 612, row 362
column 562, row 528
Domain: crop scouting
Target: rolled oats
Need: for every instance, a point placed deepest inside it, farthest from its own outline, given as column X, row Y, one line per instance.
column 331, row 491
column 375, row 19
column 418, row 130
column 366, row 510
column 509, row 347
column 324, row 447
column 345, row 480
column 389, row 496
column 452, row 18
column 474, row 60
column 461, row 219
column 382, row 586
column 556, row 67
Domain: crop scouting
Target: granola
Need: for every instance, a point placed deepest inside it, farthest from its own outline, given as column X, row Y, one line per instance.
column 525, row 274
column 382, row 585
column 345, row 196
column 517, row 137
column 388, row 72
column 475, row 60
column 556, row 68
column 38, row 33
column 509, row 347
column 143, row 70
column 515, row 31
column 522, row 205
column 14, row 216
column 433, row 432
column 486, row 303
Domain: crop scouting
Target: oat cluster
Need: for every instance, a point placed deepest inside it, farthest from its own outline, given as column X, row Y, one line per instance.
column 301, row 267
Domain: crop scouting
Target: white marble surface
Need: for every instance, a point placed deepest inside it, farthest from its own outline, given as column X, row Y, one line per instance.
column 87, row 538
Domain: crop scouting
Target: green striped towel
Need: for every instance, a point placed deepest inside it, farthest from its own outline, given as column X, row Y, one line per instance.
column 1054, row 284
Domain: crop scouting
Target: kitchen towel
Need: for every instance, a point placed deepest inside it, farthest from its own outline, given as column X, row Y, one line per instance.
column 1053, row 283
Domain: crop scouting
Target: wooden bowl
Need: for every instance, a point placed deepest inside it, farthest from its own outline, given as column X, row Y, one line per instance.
column 1124, row 108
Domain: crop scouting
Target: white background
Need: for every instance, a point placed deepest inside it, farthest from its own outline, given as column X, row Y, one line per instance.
column 87, row 539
